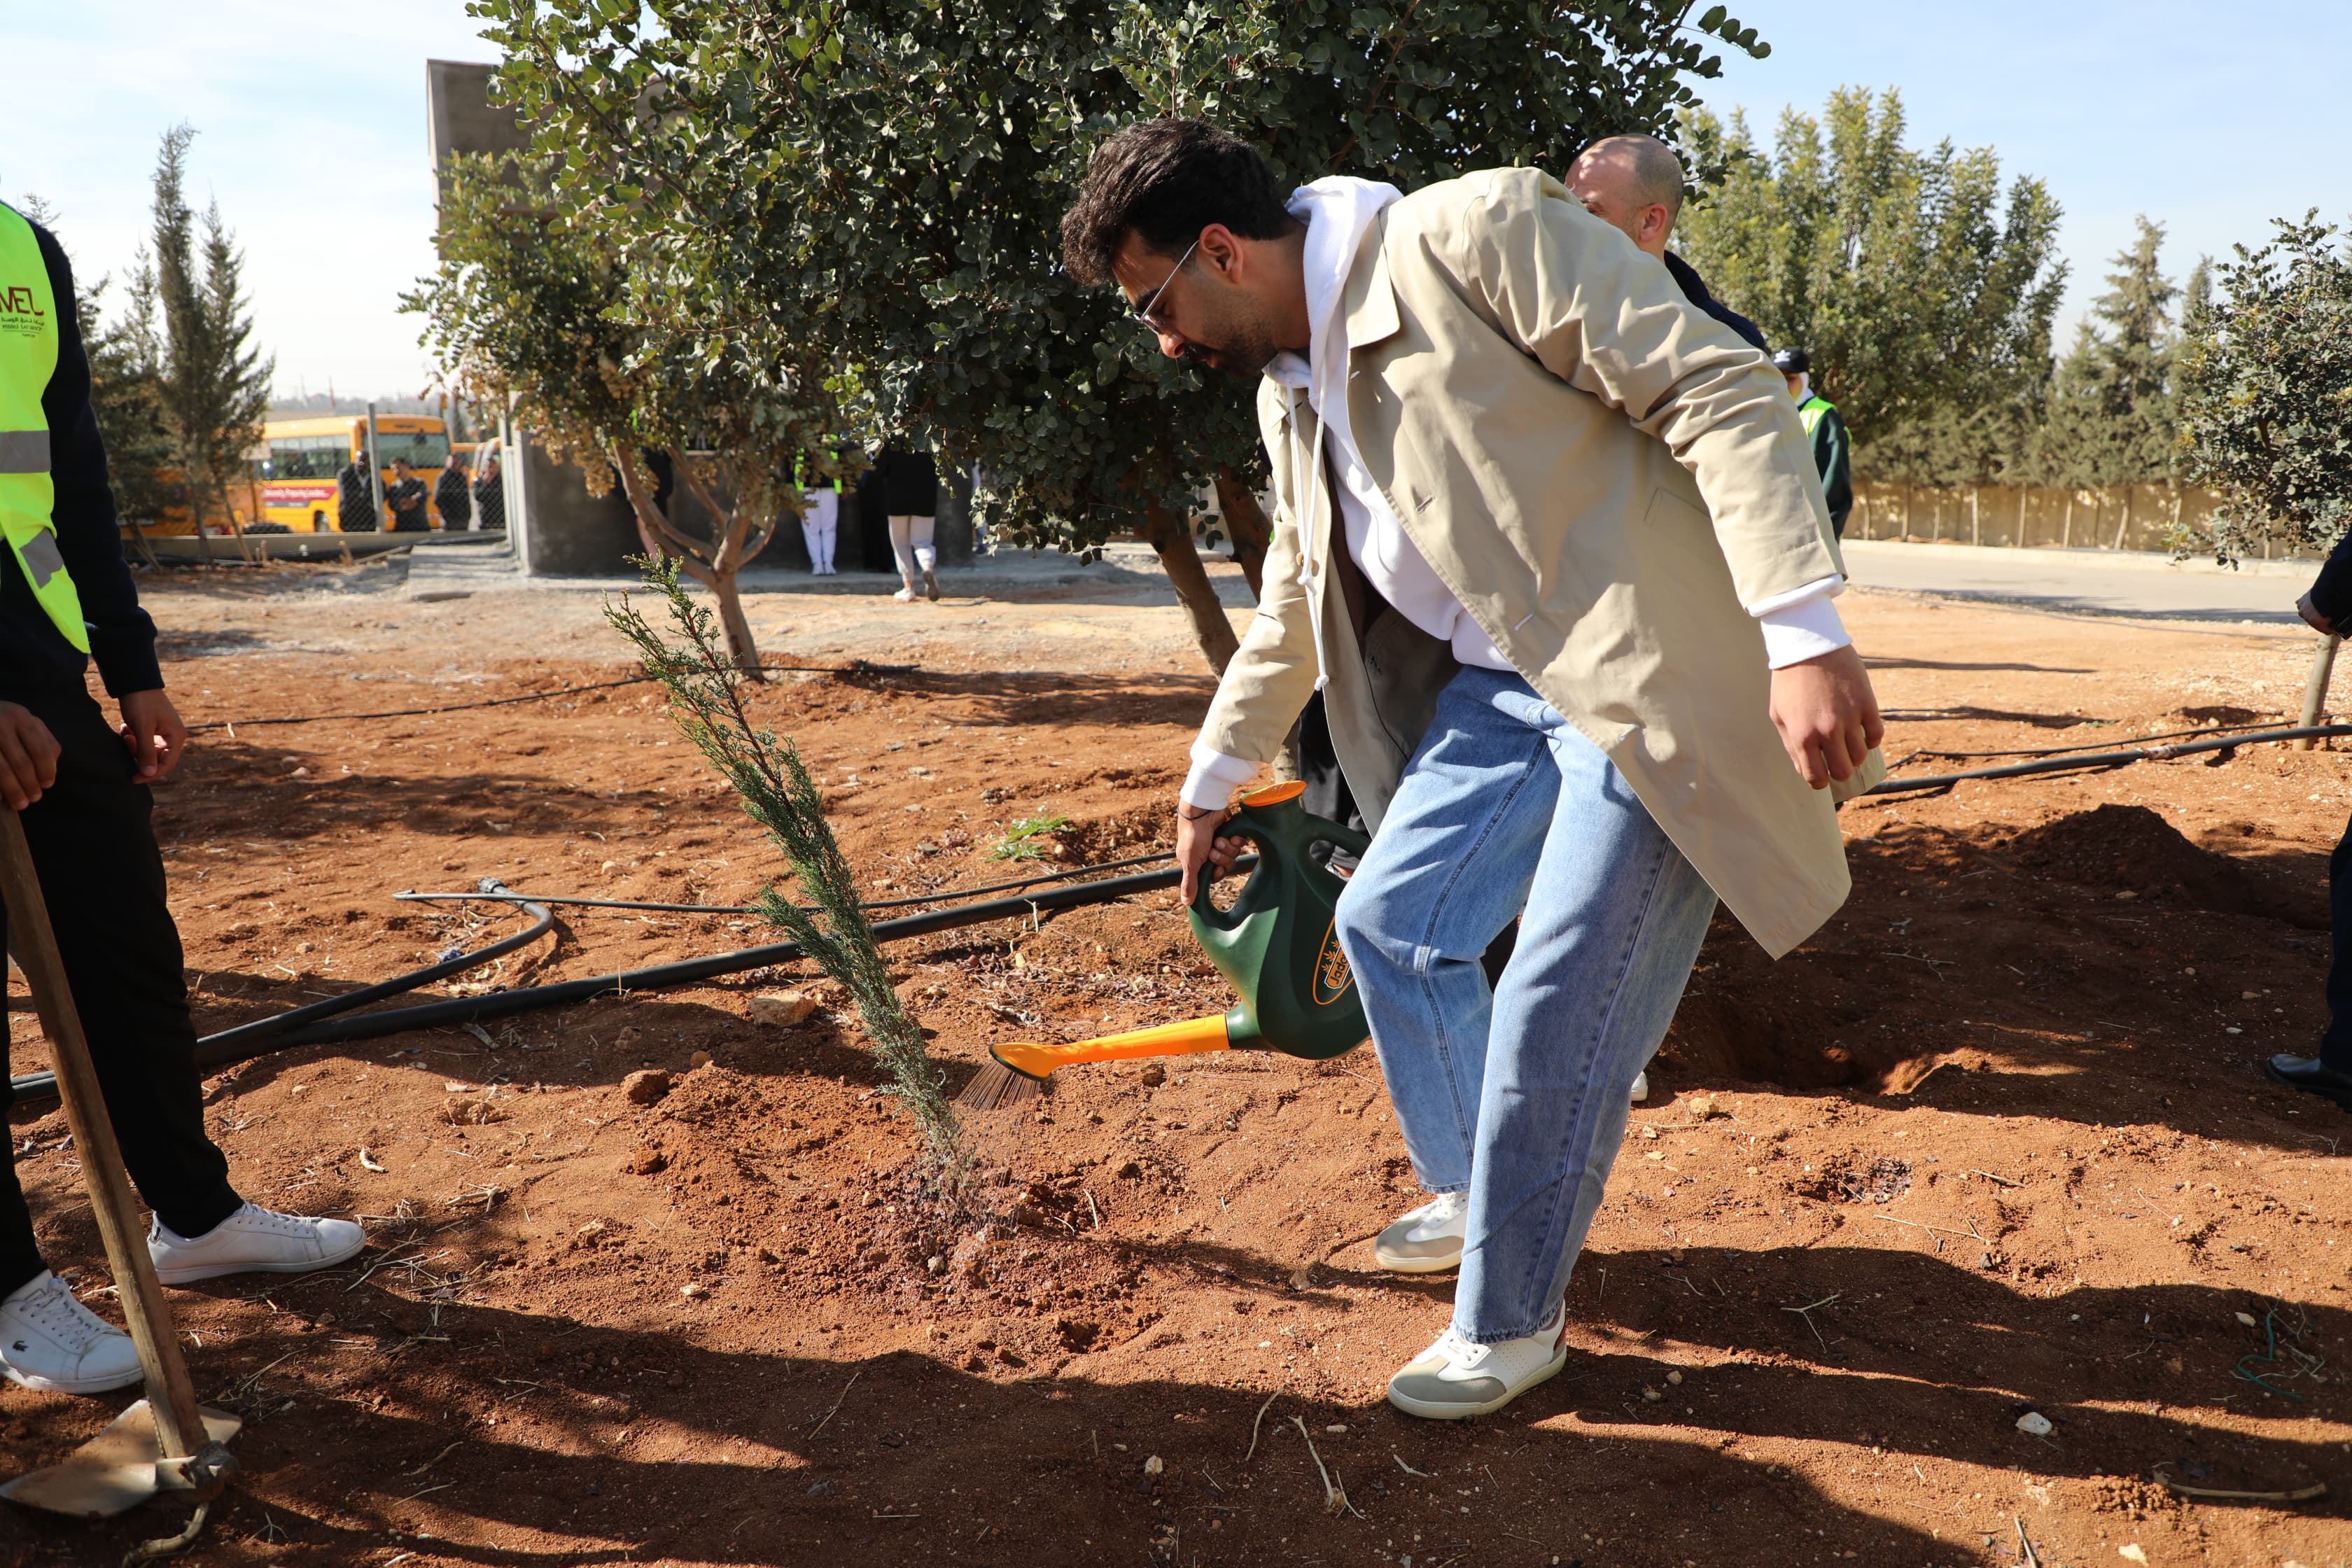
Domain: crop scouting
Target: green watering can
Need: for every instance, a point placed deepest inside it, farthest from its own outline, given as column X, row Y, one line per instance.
column 1278, row 946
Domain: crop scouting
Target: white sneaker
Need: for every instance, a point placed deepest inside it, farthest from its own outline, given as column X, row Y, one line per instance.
column 254, row 1240
column 1428, row 1240
column 905, row 595
column 1454, row 1379
column 930, row 586
column 1640, row 1085
column 51, row 1342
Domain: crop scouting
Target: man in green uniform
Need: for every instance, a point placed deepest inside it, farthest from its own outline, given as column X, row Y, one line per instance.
column 1826, row 426
column 81, row 785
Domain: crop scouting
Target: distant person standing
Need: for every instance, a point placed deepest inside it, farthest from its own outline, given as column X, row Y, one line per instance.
column 490, row 496
column 821, row 524
column 405, row 498
column 911, row 498
column 1826, row 426
column 355, row 497
column 1634, row 184
column 453, row 495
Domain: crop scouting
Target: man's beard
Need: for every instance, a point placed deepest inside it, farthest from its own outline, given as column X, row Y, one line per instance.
column 1241, row 348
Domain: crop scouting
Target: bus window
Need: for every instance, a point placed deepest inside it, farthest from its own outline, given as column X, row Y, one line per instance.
column 422, row 449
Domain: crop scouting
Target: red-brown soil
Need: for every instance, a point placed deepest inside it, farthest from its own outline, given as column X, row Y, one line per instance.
column 1994, row 1142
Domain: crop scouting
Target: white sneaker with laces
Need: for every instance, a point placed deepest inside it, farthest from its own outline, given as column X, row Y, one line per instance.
column 51, row 1342
column 1454, row 1379
column 1428, row 1240
column 254, row 1240
column 905, row 595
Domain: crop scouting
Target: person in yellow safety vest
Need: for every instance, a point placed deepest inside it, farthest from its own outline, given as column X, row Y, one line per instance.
column 81, row 785
column 1826, row 426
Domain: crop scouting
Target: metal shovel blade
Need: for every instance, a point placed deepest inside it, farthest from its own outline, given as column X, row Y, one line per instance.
column 117, row 1470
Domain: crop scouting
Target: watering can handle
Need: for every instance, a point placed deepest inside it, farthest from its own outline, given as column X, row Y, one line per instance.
column 1238, row 826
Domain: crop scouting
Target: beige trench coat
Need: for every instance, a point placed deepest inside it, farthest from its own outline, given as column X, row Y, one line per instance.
column 1604, row 475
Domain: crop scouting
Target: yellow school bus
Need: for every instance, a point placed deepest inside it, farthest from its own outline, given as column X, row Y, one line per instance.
column 293, row 482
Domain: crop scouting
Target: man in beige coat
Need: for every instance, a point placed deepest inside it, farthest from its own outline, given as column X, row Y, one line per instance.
column 1548, row 539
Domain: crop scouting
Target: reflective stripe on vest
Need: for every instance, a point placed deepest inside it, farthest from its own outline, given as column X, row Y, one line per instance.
column 1811, row 412
column 28, row 357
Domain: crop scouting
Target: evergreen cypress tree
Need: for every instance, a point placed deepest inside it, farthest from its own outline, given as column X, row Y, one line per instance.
column 214, row 385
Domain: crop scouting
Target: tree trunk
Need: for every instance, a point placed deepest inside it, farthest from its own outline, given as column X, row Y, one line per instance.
column 1172, row 539
column 2067, row 538
column 1246, row 526
column 661, row 539
column 1976, row 530
column 1861, row 505
column 2021, row 493
column 196, row 511
column 2123, row 527
column 741, row 646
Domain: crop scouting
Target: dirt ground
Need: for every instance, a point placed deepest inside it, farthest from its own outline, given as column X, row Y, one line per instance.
column 1995, row 1143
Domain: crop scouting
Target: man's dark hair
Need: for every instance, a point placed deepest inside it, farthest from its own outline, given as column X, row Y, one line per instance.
column 1165, row 181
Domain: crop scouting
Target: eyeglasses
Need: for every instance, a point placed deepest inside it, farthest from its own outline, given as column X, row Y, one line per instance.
column 1144, row 313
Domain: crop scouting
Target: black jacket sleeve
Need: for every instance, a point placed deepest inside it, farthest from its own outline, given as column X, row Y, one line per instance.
column 1832, row 454
column 2331, row 594
column 122, row 635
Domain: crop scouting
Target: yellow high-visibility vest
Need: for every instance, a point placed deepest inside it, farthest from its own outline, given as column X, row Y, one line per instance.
column 28, row 357
column 1812, row 410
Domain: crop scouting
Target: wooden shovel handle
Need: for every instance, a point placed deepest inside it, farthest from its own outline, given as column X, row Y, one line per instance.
column 171, row 1395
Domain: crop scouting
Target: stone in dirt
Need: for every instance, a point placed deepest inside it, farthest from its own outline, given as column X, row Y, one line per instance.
column 781, row 1009
column 646, row 1087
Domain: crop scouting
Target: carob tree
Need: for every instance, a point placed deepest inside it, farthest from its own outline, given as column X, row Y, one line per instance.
column 887, row 177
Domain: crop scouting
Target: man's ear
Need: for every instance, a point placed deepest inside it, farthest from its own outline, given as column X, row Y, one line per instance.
column 1222, row 252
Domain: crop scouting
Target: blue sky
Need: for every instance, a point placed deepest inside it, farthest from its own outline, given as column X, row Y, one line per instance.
column 312, row 131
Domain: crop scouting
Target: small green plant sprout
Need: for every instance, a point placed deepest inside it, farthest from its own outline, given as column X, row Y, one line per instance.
column 705, row 696
column 1031, row 839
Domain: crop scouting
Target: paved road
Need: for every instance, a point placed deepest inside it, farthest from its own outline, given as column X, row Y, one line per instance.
column 2087, row 581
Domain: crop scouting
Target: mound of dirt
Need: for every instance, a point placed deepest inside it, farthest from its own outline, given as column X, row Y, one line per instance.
column 2131, row 849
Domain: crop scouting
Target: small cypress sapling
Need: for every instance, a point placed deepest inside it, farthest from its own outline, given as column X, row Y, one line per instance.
column 705, row 690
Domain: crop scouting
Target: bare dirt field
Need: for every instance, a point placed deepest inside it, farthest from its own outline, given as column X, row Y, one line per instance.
column 1995, row 1143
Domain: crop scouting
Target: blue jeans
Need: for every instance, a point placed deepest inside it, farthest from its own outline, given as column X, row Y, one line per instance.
column 1518, row 1093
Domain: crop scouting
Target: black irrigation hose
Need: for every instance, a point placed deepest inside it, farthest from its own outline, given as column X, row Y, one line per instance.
column 506, row 896
column 2062, row 751
column 855, row 667
column 277, row 1024
column 2104, row 759
column 238, row 1044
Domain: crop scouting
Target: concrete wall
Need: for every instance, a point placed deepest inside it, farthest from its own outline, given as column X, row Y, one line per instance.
column 460, row 116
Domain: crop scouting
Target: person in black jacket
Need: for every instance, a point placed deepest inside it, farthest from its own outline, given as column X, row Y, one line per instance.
column 909, row 487
column 2328, row 609
column 453, row 496
column 405, row 498
column 1635, row 183
column 355, row 497
column 80, row 785
column 490, row 496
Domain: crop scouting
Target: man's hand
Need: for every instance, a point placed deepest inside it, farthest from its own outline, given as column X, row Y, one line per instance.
column 1827, row 715
column 2313, row 618
column 28, row 756
column 1197, row 844
column 152, row 728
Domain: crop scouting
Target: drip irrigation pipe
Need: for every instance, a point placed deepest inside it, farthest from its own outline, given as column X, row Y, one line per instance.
column 2062, row 751
column 233, row 1046
column 2104, row 759
column 507, row 896
column 855, row 667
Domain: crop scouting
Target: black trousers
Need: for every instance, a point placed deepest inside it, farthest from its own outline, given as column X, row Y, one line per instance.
column 2336, row 1044
column 102, row 879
